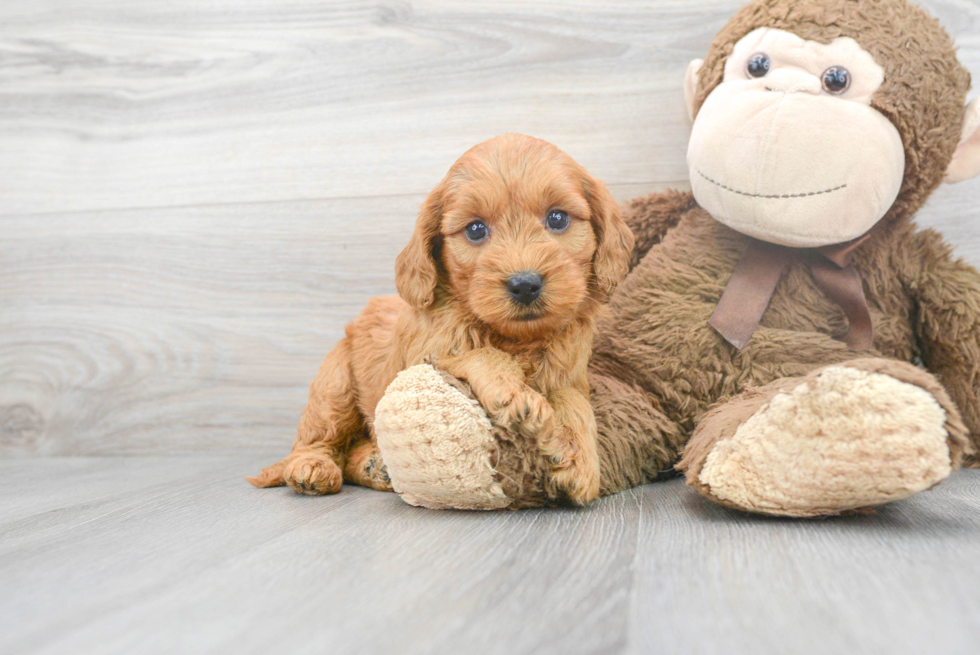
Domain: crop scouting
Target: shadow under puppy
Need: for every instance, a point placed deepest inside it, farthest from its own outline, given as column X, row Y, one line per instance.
column 501, row 283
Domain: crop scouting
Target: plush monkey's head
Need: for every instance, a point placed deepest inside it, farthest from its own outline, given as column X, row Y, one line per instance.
column 814, row 120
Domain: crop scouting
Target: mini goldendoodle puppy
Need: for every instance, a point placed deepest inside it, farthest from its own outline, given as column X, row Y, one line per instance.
column 501, row 284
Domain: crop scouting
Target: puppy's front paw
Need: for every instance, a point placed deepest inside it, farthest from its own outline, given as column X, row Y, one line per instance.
column 312, row 474
column 579, row 481
column 521, row 407
column 575, row 470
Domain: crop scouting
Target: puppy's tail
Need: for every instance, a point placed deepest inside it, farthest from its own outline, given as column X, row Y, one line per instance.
column 271, row 476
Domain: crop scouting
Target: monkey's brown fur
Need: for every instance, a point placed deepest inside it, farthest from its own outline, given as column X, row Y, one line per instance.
column 660, row 374
column 528, row 372
column 656, row 345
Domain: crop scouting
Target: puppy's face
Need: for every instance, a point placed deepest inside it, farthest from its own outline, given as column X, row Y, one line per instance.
column 518, row 242
column 524, row 236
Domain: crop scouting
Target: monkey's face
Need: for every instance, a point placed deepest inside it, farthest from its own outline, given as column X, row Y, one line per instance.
column 788, row 148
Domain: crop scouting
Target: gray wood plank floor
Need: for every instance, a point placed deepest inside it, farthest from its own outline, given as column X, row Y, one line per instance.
column 197, row 195
column 168, row 555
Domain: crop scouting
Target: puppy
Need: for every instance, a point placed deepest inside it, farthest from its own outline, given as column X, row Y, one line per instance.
column 500, row 284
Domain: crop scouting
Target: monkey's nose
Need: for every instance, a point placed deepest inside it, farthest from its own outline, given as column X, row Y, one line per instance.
column 792, row 81
column 524, row 287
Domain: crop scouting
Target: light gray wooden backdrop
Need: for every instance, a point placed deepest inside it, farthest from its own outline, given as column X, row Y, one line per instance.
column 197, row 195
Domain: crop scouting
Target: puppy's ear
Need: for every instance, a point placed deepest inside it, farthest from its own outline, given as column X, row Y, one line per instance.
column 415, row 269
column 611, row 261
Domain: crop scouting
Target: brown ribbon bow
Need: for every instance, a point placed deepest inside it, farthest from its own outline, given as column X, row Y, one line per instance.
column 758, row 272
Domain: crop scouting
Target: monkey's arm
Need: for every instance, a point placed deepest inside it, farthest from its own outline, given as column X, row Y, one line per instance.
column 649, row 218
column 947, row 295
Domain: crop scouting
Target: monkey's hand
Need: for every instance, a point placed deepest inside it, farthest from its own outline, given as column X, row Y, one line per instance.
column 947, row 296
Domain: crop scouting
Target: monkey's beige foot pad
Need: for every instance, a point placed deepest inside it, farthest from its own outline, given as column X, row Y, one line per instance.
column 443, row 452
column 437, row 443
column 844, row 437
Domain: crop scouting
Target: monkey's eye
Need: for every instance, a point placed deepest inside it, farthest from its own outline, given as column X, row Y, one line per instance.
column 476, row 231
column 557, row 220
column 759, row 65
column 836, row 80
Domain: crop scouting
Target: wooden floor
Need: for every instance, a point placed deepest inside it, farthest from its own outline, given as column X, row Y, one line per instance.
column 179, row 555
column 197, row 195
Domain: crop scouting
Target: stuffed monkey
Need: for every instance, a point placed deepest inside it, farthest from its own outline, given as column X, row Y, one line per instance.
column 787, row 338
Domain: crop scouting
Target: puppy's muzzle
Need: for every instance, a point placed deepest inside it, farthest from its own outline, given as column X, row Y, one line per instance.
column 524, row 287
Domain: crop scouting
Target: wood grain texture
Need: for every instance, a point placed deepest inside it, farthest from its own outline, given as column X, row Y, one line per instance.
column 196, row 196
column 165, row 555
column 117, row 104
column 181, row 330
column 897, row 581
column 211, row 102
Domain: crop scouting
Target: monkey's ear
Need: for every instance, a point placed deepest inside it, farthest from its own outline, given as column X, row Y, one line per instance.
column 610, row 264
column 691, row 85
column 415, row 269
column 966, row 158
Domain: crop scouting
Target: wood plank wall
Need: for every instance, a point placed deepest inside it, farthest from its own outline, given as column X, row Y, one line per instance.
column 196, row 196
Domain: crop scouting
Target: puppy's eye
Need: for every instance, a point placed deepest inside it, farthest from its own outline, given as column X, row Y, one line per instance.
column 759, row 65
column 836, row 80
column 476, row 231
column 557, row 220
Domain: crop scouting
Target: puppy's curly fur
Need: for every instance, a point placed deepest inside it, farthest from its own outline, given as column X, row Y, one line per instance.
column 526, row 361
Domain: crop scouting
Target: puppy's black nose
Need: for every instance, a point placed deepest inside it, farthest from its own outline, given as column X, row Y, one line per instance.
column 524, row 287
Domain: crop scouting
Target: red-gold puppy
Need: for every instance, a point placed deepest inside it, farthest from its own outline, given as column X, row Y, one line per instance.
column 500, row 284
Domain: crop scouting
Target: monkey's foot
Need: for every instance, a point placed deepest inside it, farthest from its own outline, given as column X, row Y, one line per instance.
column 438, row 443
column 845, row 437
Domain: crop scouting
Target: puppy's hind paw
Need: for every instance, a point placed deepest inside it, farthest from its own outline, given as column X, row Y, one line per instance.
column 375, row 474
column 312, row 475
column 366, row 467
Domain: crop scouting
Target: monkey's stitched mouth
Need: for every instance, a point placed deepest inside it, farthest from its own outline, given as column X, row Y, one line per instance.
column 762, row 195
